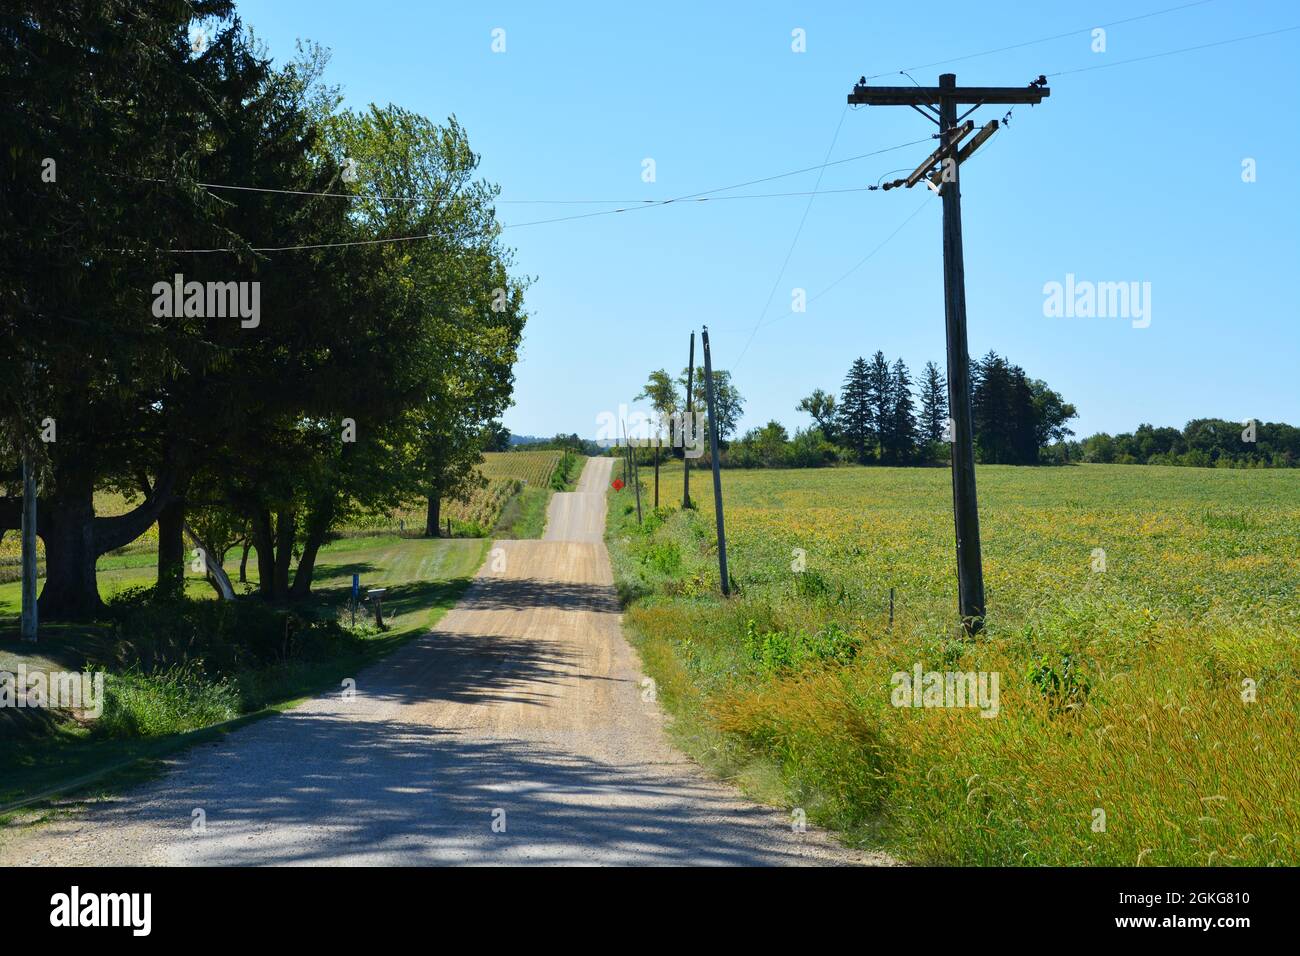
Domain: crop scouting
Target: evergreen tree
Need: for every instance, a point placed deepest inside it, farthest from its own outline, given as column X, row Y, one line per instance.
column 901, row 436
column 934, row 404
column 855, row 422
column 1004, row 411
column 880, row 399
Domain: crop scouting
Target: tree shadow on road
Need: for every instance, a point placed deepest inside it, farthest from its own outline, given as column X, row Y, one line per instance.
column 311, row 789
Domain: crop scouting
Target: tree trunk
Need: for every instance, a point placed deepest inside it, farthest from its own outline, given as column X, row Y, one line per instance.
column 318, row 524
column 171, row 551
column 74, row 538
column 263, row 541
column 243, row 562
column 68, row 530
column 286, row 527
column 431, row 522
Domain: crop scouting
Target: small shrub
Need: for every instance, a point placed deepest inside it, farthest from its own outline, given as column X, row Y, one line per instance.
column 663, row 557
column 1064, row 686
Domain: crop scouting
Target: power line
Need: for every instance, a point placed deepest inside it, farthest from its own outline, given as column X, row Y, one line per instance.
column 423, row 198
column 865, row 259
column 1101, row 66
column 1056, row 36
column 795, row 241
column 524, row 202
column 360, row 242
column 1186, row 49
column 858, row 265
column 699, row 196
column 646, row 204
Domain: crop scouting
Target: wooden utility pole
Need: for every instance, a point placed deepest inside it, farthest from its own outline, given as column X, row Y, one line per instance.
column 29, row 615
column 636, row 478
column 713, row 455
column 625, row 474
column 939, row 105
column 686, row 459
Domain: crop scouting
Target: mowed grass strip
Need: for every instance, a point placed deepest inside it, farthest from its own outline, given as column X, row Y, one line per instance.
column 1148, row 712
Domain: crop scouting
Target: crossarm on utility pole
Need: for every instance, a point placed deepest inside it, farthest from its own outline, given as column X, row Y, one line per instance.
column 925, row 95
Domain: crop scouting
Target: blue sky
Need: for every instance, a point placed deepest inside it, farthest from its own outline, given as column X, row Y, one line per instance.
column 1125, row 174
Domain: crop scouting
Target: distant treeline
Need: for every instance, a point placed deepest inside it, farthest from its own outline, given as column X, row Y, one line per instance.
column 502, row 440
column 882, row 417
column 1203, row 443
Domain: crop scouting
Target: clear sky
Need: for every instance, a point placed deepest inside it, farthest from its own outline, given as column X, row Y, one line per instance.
column 1132, row 173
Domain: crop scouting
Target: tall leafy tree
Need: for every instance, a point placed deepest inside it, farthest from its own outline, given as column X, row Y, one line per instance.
column 466, row 310
column 821, row 406
column 729, row 404
column 1051, row 413
column 663, row 395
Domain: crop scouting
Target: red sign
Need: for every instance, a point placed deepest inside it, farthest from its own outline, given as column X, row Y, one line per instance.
column 618, row 484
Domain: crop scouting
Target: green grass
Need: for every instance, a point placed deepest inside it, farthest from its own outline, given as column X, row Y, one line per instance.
column 524, row 516
column 1121, row 691
column 149, row 715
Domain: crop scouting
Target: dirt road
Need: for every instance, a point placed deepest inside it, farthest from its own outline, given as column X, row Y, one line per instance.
column 516, row 732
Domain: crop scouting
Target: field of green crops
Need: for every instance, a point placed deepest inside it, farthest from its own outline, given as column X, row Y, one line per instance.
column 1149, row 696
column 507, row 473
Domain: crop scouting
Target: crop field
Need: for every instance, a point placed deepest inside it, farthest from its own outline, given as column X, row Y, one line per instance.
column 532, row 467
column 507, row 473
column 1143, row 627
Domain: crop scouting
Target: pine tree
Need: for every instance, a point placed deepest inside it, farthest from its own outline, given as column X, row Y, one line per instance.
column 854, row 411
column 934, row 404
column 880, row 399
column 902, row 435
